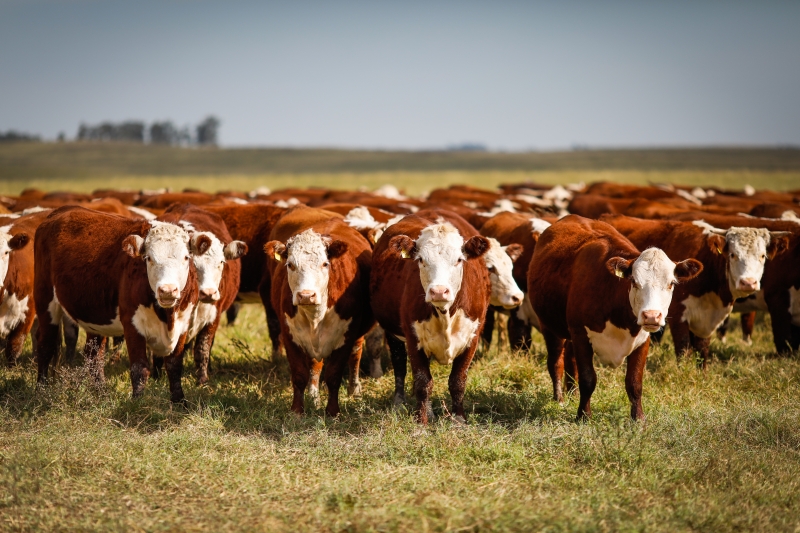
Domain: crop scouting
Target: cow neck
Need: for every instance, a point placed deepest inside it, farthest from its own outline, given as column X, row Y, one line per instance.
column 314, row 314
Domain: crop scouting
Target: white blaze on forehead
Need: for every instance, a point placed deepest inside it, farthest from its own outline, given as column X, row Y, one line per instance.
column 166, row 247
column 360, row 218
column 144, row 213
column 307, row 253
column 389, row 191
column 5, row 252
column 439, row 249
column 504, row 288
column 538, row 225
column 653, row 274
column 210, row 265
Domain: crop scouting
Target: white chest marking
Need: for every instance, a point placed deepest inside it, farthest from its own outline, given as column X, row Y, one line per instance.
column 613, row 344
column 319, row 340
column 755, row 302
column 445, row 337
column 794, row 307
column 248, row 298
column 204, row 315
column 526, row 314
column 159, row 338
column 705, row 314
column 12, row 313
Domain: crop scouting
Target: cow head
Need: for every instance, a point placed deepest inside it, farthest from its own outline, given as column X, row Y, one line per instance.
column 308, row 258
column 8, row 244
column 653, row 277
column 209, row 261
column 166, row 251
column 440, row 252
column 500, row 262
column 745, row 251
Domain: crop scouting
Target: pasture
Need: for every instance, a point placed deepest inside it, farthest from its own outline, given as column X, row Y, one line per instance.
column 720, row 450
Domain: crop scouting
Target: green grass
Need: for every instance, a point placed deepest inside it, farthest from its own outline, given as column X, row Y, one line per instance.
column 720, row 451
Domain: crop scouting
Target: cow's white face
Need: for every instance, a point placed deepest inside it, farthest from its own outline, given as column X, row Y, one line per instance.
column 9, row 244
column 746, row 253
column 653, row 278
column 165, row 251
column 210, row 261
column 505, row 291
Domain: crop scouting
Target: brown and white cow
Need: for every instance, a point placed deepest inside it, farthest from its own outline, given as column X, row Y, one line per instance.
column 16, row 276
column 733, row 261
column 320, row 292
column 430, row 292
column 218, row 269
column 592, row 287
column 115, row 276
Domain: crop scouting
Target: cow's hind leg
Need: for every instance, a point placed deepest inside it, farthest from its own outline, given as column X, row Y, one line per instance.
column 748, row 324
column 202, row 350
column 94, row 355
column 70, row 339
column 587, row 377
column 555, row 361
column 701, row 348
column 314, row 373
column 48, row 337
column 354, row 364
column 570, row 367
column 397, row 349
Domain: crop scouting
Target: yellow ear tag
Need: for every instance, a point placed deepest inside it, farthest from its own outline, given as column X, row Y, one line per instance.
column 719, row 251
column 403, row 254
column 619, row 273
column 277, row 257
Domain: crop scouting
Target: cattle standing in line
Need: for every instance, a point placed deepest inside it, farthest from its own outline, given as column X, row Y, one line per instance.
column 430, row 292
column 320, row 293
column 591, row 286
column 115, row 276
column 733, row 262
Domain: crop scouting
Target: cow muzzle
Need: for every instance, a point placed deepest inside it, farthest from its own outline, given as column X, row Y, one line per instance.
column 747, row 284
column 307, row 298
column 208, row 296
column 167, row 296
column 652, row 320
column 513, row 301
column 439, row 295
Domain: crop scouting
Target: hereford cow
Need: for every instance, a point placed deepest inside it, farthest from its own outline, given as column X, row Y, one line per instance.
column 320, row 292
column 218, row 269
column 430, row 292
column 589, row 285
column 115, row 276
column 733, row 262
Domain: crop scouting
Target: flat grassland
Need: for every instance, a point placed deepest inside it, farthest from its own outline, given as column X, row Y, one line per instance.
column 720, row 450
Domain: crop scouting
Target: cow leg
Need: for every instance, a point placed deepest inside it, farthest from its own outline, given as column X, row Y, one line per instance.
column 722, row 330
column 137, row 354
column 748, row 323
column 315, row 370
column 94, row 355
column 16, row 339
column 555, row 362
column 488, row 329
column 334, row 372
column 519, row 333
column 458, row 381
column 158, row 366
column 570, row 367
column 202, row 350
column 587, row 378
column 354, row 363
column 174, row 365
column 299, row 367
column 397, row 350
column 681, row 337
column 48, row 336
column 701, row 348
column 633, row 379
column 374, row 342
column 70, row 339
column 232, row 312
column 423, row 383
column 778, row 304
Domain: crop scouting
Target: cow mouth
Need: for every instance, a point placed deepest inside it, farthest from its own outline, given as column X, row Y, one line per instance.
column 167, row 303
column 651, row 327
column 208, row 299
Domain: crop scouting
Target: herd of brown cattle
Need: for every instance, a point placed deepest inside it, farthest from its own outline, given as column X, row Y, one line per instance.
column 595, row 269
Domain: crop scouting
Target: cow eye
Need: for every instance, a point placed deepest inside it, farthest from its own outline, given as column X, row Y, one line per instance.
column 492, row 269
column 326, row 264
column 762, row 256
column 672, row 284
column 733, row 256
column 291, row 266
column 460, row 260
column 185, row 257
column 419, row 260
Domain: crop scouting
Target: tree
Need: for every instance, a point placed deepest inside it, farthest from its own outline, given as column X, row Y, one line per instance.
column 207, row 131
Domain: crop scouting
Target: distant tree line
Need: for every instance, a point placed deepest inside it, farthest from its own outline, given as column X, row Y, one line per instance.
column 205, row 133
column 16, row 136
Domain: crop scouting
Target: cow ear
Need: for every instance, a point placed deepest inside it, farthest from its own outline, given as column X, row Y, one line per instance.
column 475, row 247
column 133, row 245
column 276, row 250
column 514, row 251
column 404, row 245
column 373, row 235
column 336, row 249
column 688, row 269
column 235, row 250
column 620, row 267
column 18, row 241
column 199, row 243
column 778, row 243
column 717, row 243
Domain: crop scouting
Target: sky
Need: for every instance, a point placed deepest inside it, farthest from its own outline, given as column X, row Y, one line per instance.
column 410, row 74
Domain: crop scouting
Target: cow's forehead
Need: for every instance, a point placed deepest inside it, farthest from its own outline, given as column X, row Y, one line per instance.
column 5, row 235
column 747, row 239
column 307, row 243
column 164, row 236
column 653, row 266
column 539, row 225
column 439, row 240
column 496, row 255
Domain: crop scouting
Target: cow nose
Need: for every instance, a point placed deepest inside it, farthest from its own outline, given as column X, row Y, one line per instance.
column 748, row 284
column 306, row 298
column 439, row 293
column 209, row 295
column 651, row 318
column 168, row 292
column 516, row 300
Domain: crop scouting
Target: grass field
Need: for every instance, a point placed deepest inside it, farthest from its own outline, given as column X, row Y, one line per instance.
column 720, row 451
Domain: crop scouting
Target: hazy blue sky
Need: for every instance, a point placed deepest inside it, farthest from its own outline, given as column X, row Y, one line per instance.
column 407, row 74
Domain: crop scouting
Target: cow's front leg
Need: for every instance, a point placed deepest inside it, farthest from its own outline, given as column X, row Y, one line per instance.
column 137, row 353
column 202, row 350
column 423, row 382
column 300, row 369
column 399, row 355
column 458, row 381
column 587, row 377
column 633, row 379
column 314, row 373
column 174, row 365
column 334, row 372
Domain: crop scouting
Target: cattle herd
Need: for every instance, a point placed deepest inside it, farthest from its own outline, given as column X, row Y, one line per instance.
column 598, row 270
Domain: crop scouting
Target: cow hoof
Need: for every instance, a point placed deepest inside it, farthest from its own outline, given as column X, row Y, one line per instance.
column 459, row 420
column 723, row 339
column 399, row 401
column 354, row 391
column 748, row 341
column 202, row 380
column 179, row 400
